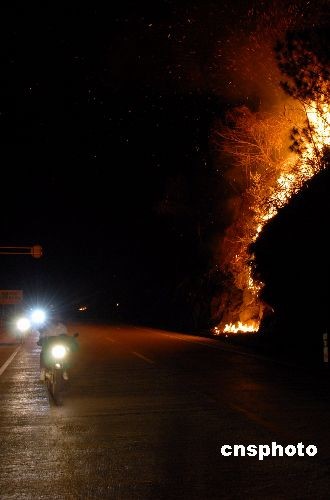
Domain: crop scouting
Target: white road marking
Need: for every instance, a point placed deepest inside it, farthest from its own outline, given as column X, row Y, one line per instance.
column 9, row 360
column 143, row 357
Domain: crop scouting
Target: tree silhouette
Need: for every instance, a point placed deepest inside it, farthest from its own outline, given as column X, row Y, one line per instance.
column 291, row 257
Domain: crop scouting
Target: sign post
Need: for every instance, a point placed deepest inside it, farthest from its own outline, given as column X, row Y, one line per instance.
column 325, row 349
column 8, row 297
column 16, row 296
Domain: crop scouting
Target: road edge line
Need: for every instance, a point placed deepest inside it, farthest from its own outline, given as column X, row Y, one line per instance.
column 9, row 360
column 137, row 354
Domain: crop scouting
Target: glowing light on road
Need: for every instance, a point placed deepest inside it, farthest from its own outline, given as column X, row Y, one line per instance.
column 23, row 324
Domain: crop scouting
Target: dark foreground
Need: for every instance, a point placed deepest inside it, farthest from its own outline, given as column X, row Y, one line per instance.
column 145, row 415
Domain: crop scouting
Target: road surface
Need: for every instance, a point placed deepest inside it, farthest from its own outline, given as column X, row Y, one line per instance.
column 145, row 415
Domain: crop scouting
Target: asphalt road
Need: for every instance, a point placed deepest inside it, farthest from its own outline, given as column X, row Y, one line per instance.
column 145, row 415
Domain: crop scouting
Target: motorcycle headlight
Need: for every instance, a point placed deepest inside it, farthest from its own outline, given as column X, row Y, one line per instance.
column 38, row 316
column 23, row 324
column 58, row 351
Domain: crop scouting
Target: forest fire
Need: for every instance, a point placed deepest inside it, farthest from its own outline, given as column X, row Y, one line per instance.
column 268, row 149
column 289, row 183
column 291, row 174
column 240, row 327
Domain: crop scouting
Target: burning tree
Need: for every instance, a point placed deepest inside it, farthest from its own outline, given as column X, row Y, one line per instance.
column 267, row 172
column 257, row 144
column 303, row 58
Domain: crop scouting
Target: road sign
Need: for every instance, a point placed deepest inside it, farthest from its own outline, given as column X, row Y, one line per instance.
column 35, row 251
column 11, row 296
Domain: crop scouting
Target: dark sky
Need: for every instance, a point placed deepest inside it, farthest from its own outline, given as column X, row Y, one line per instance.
column 105, row 120
column 104, row 142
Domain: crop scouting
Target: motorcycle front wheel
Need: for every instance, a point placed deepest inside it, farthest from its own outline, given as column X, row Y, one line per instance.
column 56, row 385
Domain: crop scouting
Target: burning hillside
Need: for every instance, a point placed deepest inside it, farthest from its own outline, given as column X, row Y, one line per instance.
column 270, row 172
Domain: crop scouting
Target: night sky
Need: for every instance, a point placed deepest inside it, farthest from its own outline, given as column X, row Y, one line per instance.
column 105, row 122
column 96, row 129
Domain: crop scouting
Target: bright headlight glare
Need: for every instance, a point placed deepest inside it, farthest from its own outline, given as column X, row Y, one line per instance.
column 58, row 351
column 23, row 324
column 38, row 316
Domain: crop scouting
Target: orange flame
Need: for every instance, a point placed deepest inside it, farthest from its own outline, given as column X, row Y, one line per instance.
column 294, row 175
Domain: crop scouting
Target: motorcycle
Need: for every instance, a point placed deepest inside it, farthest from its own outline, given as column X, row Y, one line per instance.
column 56, row 353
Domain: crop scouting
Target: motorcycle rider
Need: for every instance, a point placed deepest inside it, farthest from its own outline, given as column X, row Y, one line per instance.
column 47, row 334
